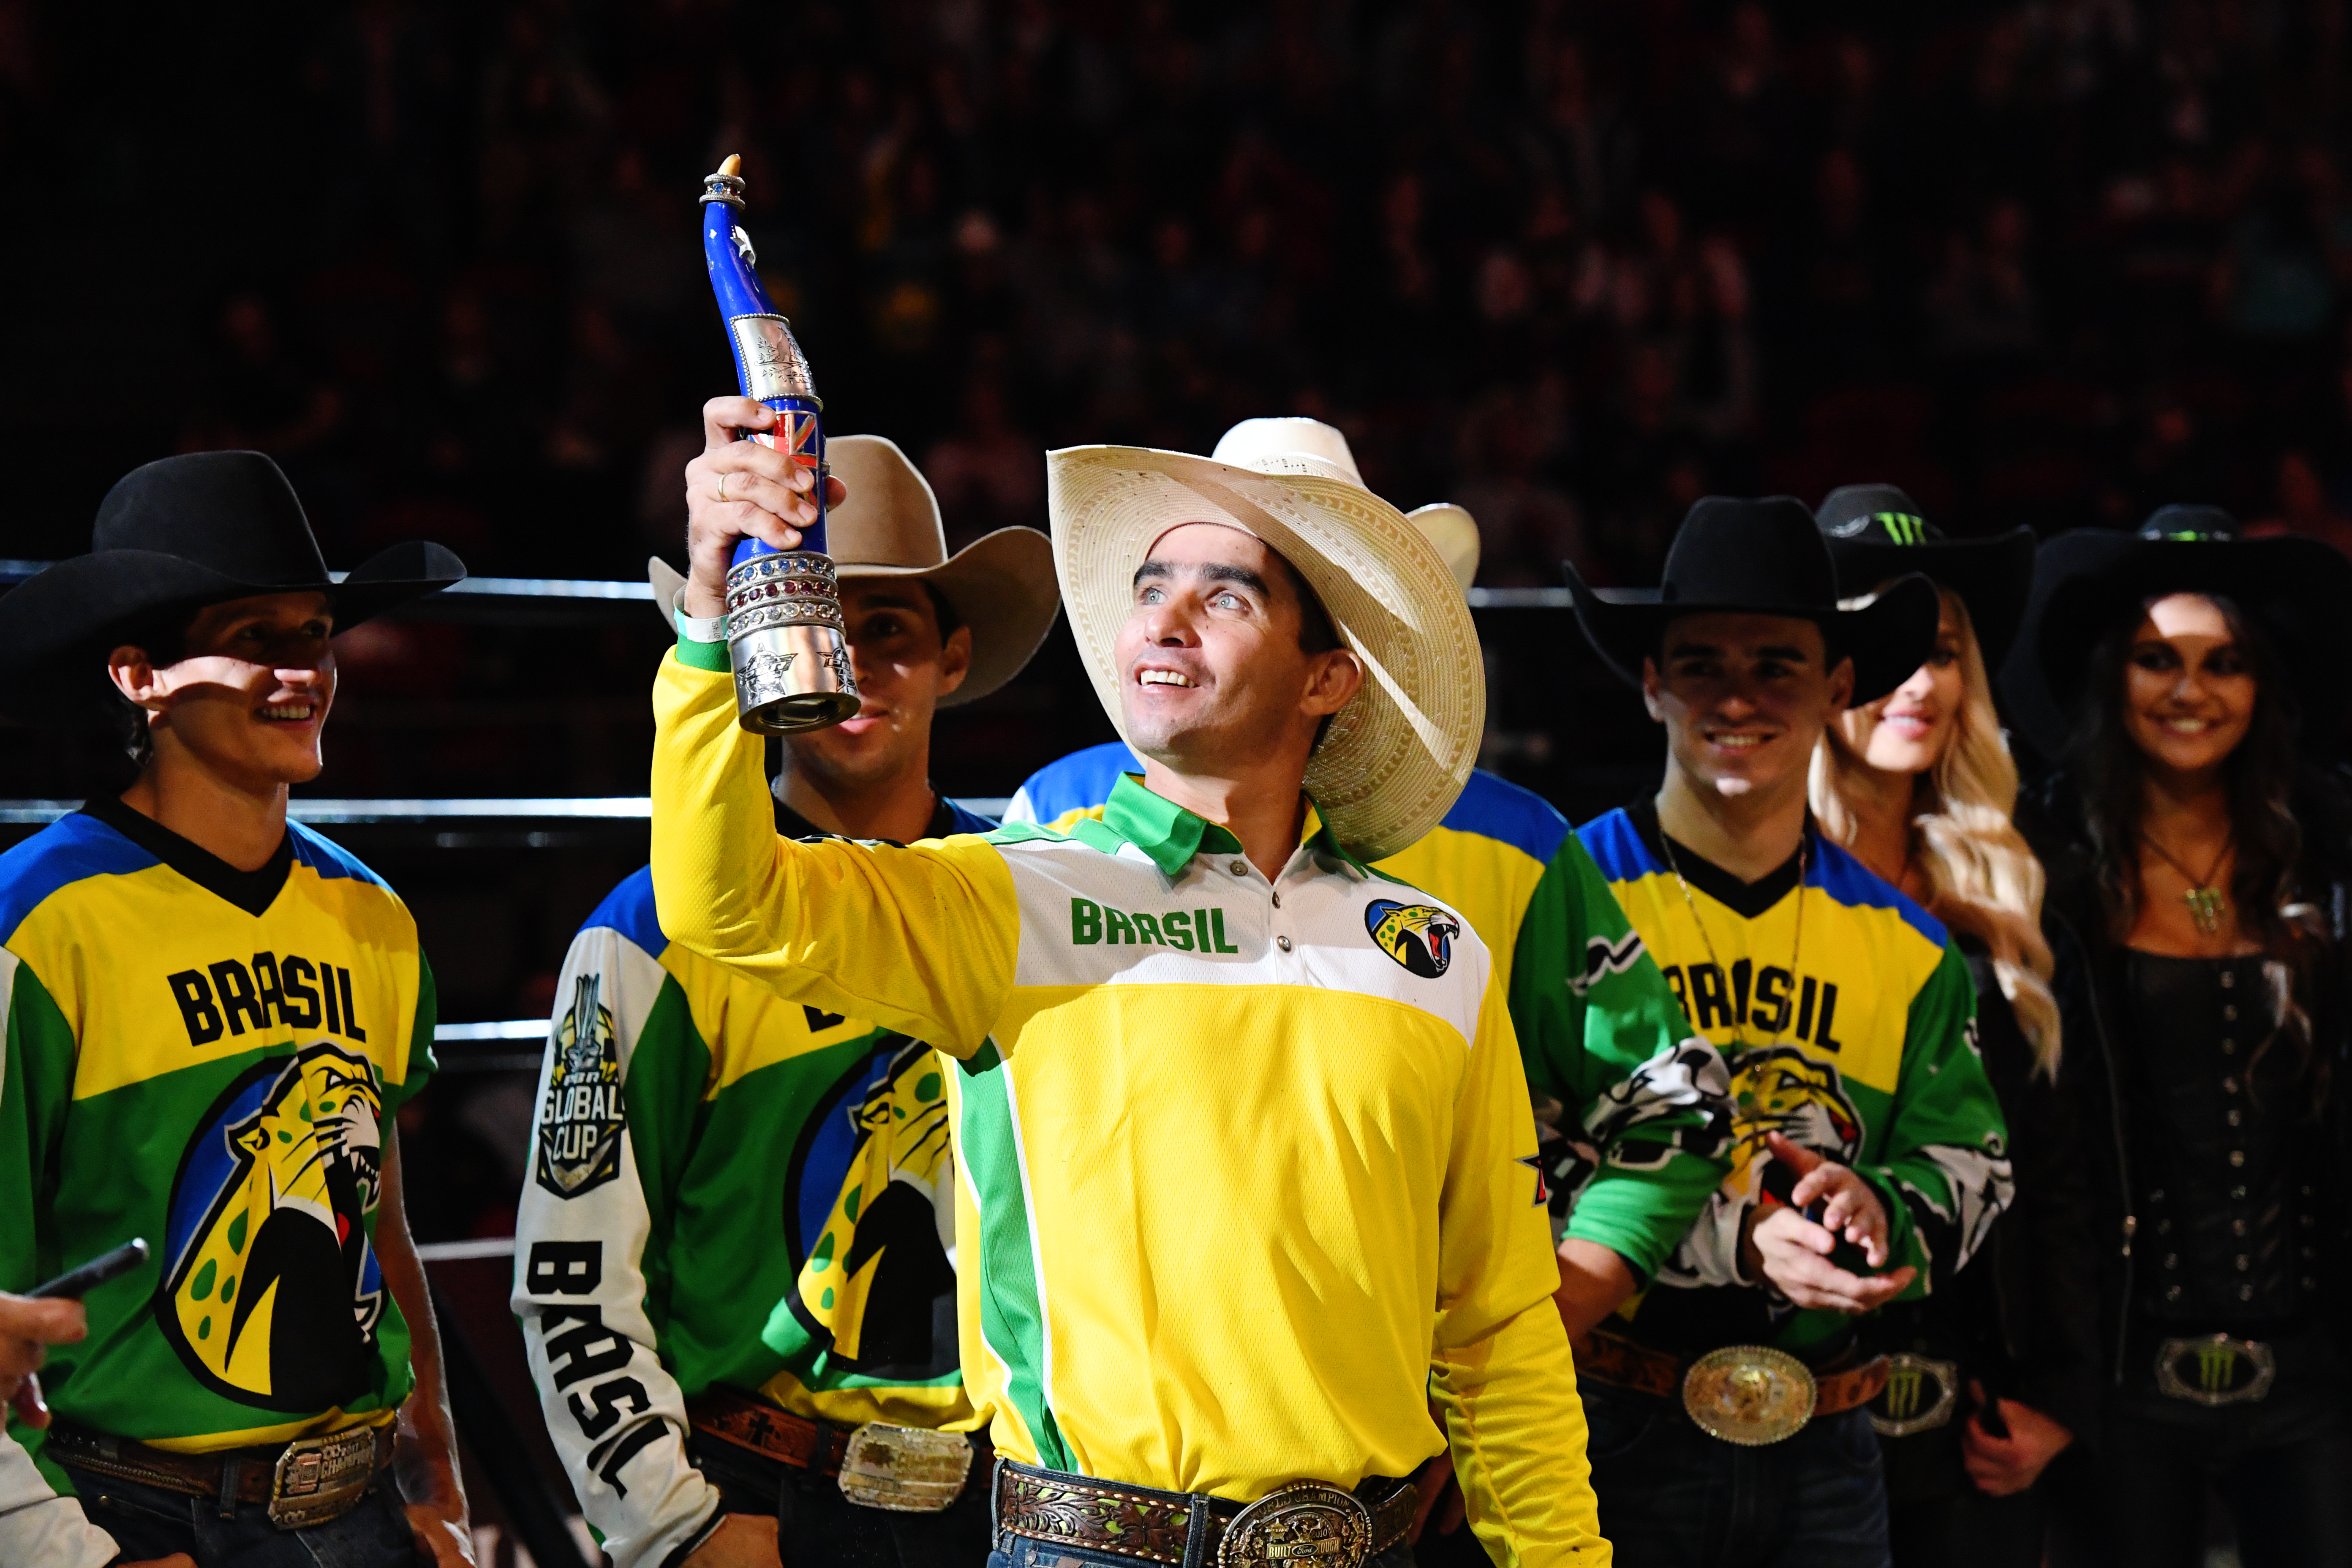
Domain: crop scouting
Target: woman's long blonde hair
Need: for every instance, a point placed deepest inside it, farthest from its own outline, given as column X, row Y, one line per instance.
column 1982, row 878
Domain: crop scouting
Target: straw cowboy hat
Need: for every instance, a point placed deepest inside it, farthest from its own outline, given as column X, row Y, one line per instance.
column 1396, row 756
column 1876, row 534
column 1000, row 585
column 172, row 536
column 1761, row 557
column 2088, row 580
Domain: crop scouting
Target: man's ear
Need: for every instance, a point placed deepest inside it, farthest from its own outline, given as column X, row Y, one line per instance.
column 1338, row 676
column 1841, row 684
column 1650, row 684
column 136, row 678
column 955, row 659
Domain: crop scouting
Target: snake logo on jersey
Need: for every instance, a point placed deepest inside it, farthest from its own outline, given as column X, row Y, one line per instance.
column 580, row 1120
column 877, row 1284
column 1419, row 936
column 1779, row 1088
column 271, row 1292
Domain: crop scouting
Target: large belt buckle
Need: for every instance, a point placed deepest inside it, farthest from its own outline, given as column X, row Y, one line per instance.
column 319, row 1478
column 2222, row 1371
column 1749, row 1394
column 1905, row 1407
column 907, row 1469
column 1312, row 1525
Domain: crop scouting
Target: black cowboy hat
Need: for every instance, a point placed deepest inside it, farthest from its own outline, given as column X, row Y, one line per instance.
column 2085, row 582
column 1762, row 557
column 171, row 537
column 1876, row 533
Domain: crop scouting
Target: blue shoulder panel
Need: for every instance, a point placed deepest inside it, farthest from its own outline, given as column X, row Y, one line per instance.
column 329, row 858
column 68, row 850
column 1080, row 780
column 629, row 909
column 1616, row 847
column 1498, row 809
column 968, row 821
column 1836, row 872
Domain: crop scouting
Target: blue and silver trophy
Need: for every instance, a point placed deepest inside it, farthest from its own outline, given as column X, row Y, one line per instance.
column 785, row 638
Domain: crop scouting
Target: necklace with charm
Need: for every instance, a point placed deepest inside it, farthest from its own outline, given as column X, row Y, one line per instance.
column 2207, row 906
column 1796, row 944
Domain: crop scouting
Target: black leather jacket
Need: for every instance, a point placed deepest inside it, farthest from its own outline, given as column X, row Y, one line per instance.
column 2139, row 1216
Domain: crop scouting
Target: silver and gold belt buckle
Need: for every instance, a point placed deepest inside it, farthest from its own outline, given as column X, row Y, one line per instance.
column 907, row 1469
column 1312, row 1525
column 320, row 1478
column 1749, row 1394
column 2221, row 1370
column 1904, row 1406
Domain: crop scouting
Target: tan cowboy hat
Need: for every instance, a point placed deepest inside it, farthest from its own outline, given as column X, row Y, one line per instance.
column 1396, row 756
column 1001, row 585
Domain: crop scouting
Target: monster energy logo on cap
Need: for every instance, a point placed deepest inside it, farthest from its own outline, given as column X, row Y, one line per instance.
column 2214, row 1369
column 1904, row 527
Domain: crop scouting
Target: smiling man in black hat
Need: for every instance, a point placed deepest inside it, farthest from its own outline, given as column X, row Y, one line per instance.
column 1727, row 1402
column 212, row 1016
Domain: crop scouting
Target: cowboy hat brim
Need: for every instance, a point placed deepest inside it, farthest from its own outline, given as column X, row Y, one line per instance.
column 2295, row 588
column 56, row 626
column 1886, row 640
column 1994, row 577
column 1395, row 758
column 1000, row 585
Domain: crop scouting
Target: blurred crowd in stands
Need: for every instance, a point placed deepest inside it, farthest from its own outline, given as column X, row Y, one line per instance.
column 1570, row 262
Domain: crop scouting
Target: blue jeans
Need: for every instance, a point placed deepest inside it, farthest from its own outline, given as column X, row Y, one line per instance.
column 149, row 1522
column 1672, row 1497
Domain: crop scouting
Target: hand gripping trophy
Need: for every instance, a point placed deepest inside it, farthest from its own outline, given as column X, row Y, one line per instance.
column 785, row 639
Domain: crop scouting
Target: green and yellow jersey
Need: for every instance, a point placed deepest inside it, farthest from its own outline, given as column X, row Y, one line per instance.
column 1848, row 1021
column 725, row 1187
column 1180, row 1088
column 1634, row 1099
column 206, row 1058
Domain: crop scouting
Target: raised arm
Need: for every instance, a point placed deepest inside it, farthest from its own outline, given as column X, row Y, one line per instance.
column 920, row 940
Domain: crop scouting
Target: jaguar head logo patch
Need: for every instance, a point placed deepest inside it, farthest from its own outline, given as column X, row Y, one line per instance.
column 1419, row 936
column 271, row 1291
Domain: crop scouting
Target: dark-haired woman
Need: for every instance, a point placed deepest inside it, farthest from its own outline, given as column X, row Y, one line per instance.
column 2198, row 880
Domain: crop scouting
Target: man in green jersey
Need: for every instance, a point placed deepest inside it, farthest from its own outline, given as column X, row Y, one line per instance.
column 733, row 1257
column 212, row 1017
column 1867, row 1157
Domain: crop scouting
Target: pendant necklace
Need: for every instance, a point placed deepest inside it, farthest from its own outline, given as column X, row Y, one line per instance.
column 2206, row 904
column 1740, row 1021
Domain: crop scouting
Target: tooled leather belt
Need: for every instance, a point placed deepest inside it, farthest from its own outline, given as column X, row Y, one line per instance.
column 305, row 1482
column 1325, row 1525
column 1748, row 1394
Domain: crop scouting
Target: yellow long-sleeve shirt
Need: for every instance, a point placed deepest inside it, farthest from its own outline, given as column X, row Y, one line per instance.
column 1246, row 1168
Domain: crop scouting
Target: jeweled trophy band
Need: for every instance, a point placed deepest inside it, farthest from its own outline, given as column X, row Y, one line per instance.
column 785, row 633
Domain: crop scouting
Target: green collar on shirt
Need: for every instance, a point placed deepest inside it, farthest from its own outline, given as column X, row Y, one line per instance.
column 1171, row 836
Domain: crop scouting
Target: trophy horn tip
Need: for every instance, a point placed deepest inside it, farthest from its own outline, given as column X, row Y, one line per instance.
column 732, row 165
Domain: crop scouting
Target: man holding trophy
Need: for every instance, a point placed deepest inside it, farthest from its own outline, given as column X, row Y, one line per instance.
column 1197, row 1042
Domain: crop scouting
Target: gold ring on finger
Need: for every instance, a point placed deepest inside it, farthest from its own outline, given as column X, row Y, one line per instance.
column 723, row 488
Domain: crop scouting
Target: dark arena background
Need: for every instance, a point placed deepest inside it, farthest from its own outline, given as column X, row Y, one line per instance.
column 1571, row 265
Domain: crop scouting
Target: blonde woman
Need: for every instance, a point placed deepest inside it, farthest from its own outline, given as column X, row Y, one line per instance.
column 1993, row 1378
